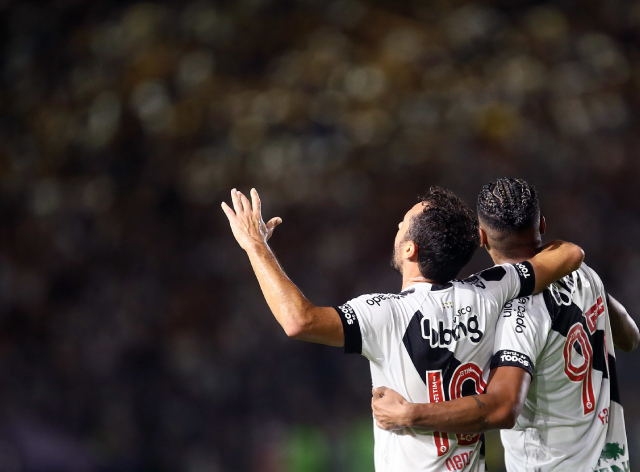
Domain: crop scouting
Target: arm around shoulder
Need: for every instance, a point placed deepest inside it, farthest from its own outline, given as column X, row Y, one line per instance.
column 556, row 260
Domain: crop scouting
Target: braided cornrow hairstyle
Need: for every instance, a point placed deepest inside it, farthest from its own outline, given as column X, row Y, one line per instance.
column 509, row 205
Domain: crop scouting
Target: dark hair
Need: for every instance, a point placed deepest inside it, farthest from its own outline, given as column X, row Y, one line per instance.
column 509, row 205
column 446, row 233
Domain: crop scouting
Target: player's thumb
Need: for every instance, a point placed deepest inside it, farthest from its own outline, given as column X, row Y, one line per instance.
column 273, row 222
column 378, row 392
column 271, row 225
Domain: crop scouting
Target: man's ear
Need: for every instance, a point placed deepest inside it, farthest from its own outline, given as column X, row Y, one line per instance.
column 543, row 224
column 410, row 251
column 484, row 240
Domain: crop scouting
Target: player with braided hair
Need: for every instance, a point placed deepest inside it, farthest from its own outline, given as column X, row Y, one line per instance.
column 434, row 339
column 509, row 205
column 553, row 375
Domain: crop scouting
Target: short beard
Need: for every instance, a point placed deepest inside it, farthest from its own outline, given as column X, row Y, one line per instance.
column 395, row 263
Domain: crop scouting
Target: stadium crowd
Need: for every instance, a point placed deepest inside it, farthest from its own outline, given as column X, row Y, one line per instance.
column 133, row 336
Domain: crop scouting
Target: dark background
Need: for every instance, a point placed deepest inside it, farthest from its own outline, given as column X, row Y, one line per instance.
column 133, row 335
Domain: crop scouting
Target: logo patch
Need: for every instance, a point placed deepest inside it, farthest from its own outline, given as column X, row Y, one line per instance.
column 348, row 312
column 441, row 336
column 522, row 270
column 512, row 359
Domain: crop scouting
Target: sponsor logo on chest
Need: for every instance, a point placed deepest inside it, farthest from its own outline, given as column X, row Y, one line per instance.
column 442, row 334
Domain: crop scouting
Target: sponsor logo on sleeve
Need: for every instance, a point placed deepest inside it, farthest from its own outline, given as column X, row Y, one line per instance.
column 512, row 359
column 523, row 270
column 349, row 313
column 512, row 356
column 527, row 278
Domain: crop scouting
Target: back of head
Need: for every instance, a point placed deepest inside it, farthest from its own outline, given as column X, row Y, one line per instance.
column 446, row 233
column 508, row 206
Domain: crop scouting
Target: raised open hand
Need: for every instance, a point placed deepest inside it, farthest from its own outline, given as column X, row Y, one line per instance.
column 246, row 220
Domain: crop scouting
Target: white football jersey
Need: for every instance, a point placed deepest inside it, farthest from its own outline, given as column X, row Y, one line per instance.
column 572, row 419
column 432, row 343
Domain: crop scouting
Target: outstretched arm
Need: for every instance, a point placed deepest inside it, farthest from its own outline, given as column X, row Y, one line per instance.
column 623, row 328
column 556, row 260
column 497, row 408
column 299, row 318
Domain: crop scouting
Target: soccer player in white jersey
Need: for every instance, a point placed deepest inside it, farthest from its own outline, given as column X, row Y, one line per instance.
column 431, row 342
column 554, row 360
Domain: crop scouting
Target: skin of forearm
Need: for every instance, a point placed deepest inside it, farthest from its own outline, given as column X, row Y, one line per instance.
column 474, row 414
column 299, row 318
column 556, row 260
column 286, row 301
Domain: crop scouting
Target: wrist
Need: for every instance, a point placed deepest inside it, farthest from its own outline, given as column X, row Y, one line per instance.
column 257, row 248
column 409, row 415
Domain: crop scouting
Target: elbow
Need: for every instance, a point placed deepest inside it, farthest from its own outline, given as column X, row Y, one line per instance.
column 506, row 418
column 509, row 420
column 300, row 323
column 577, row 256
column 294, row 330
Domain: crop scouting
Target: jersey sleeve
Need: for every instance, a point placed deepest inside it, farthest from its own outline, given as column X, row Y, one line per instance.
column 521, row 334
column 368, row 324
column 504, row 282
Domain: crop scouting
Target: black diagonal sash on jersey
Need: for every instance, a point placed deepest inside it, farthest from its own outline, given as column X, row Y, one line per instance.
column 424, row 356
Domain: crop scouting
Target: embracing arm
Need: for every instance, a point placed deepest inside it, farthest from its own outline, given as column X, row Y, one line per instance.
column 497, row 408
column 299, row 318
column 556, row 260
column 623, row 328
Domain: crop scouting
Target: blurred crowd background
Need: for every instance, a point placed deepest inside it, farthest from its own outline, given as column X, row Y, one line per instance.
column 133, row 336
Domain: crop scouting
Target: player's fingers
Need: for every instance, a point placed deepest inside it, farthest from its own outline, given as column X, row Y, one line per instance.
column 256, row 203
column 235, row 199
column 380, row 425
column 227, row 210
column 246, row 204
